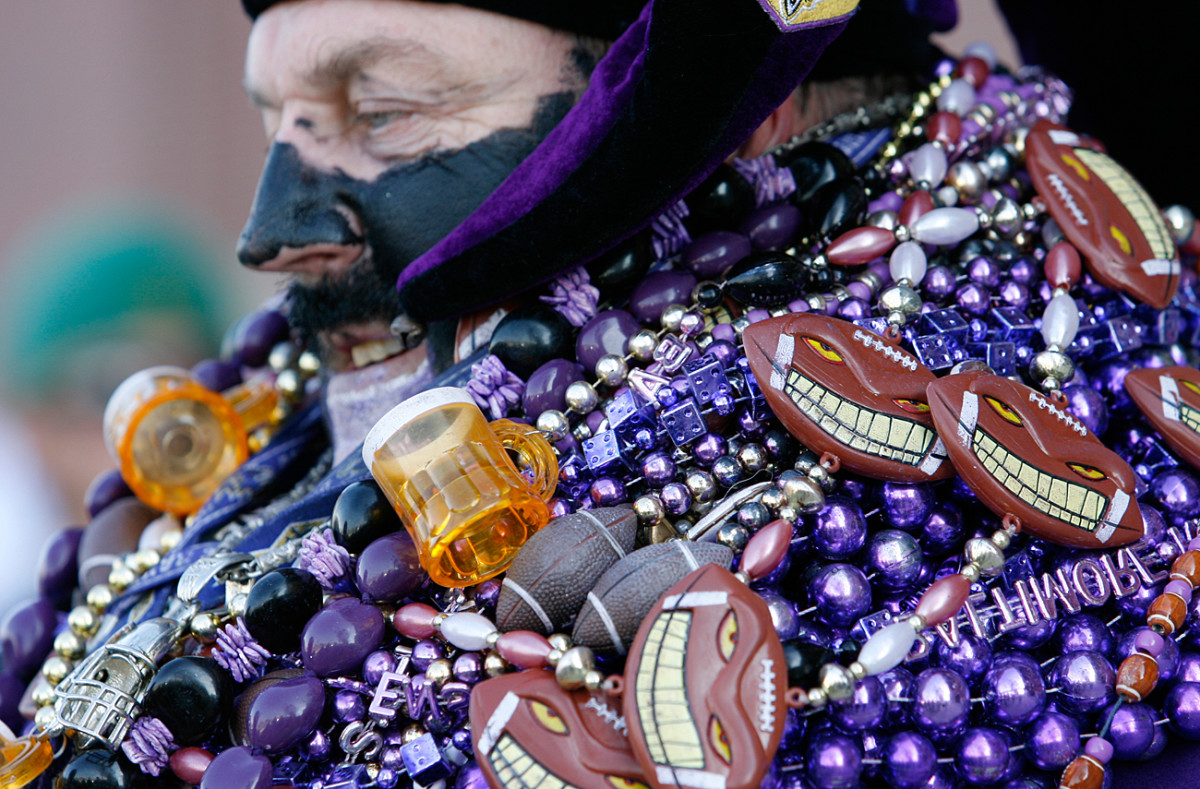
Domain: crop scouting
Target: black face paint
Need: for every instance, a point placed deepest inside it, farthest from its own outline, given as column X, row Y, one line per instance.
column 403, row 212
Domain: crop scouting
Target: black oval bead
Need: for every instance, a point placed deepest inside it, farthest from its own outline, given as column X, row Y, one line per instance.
column 279, row 606
column 840, row 206
column 813, row 165
column 529, row 337
column 95, row 769
column 618, row 270
column 804, row 660
column 846, row 651
column 720, row 202
column 191, row 695
column 767, row 279
column 361, row 515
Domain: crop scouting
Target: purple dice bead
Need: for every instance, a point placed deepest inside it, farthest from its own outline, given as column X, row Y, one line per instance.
column 423, row 760
column 683, row 422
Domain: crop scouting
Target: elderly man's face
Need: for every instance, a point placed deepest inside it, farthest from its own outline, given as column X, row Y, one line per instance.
column 389, row 121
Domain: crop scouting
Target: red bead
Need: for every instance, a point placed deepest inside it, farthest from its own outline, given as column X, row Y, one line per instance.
column 1082, row 773
column 974, row 71
column 860, row 245
column 944, row 599
column 1168, row 612
column 415, row 620
column 944, row 127
column 524, row 649
column 1187, row 568
column 1063, row 266
column 766, row 549
column 1137, row 676
column 916, row 205
column 190, row 763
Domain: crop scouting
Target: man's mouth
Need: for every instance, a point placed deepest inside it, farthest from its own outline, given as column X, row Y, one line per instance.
column 368, row 353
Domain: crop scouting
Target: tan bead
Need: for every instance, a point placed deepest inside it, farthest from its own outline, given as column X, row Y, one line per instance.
column 494, row 665
column 100, row 597
column 439, row 672
column 1168, row 611
column 83, row 621
column 1082, row 773
column 43, row 695
column 69, row 645
column 1137, row 676
column 56, row 669
column 1187, row 568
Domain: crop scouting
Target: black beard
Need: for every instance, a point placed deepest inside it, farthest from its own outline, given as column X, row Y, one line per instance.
column 359, row 295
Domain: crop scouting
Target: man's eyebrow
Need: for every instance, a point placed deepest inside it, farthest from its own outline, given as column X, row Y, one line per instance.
column 342, row 65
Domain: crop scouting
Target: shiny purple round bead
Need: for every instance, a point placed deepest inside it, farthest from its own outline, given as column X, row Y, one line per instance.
column 834, row 761
column 862, row 711
column 348, row 706
column 608, row 492
column 1084, row 633
column 1052, row 741
column 973, row 299
column 906, row 506
column 1013, row 693
column 909, row 760
column 707, row 449
column 659, row 469
column 971, row 657
column 1132, row 731
column 1178, row 490
column 982, row 756
column 941, row 700
column 839, row 530
column 1086, row 682
column 425, row 652
column 1182, row 709
column 895, row 557
column 376, row 664
column 841, row 593
column 468, row 667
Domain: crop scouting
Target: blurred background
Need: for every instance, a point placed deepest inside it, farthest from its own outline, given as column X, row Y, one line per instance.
column 128, row 160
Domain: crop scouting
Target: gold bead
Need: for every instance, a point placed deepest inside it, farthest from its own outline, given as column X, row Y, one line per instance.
column 121, row 577
column 170, row 538
column 495, row 665
column 553, row 656
column 237, row 604
column 890, row 150
column 439, row 672
column 56, row 669
column 573, row 667
column 412, row 732
column 43, row 694
column 204, row 626
column 904, row 128
column 83, row 621
column 560, row 641
column 593, row 681
column 69, row 645
column 309, row 363
column 289, row 383
column 144, row 560
column 970, row 571
column 923, row 98
column 100, row 597
column 45, row 718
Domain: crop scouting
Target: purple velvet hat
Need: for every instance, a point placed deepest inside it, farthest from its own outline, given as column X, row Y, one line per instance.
column 684, row 84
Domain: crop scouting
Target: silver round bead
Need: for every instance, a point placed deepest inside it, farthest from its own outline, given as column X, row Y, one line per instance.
column 283, row 356
column 641, row 345
column 554, row 424
column 1000, row 163
column 837, row 682
column 901, row 233
column 945, row 196
column 1006, row 216
column 857, row 670
column 792, row 514
column 900, row 298
column 672, row 315
column 773, row 499
column 733, row 536
column 739, row 324
column 611, row 370
column 820, row 475
column 289, row 383
column 702, row 486
column 1051, row 369
column 986, row 554
column 581, row 431
column 573, row 667
column 581, row 397
column 309, row 363
column 727, row 471
column 965, row 177
column 752, row 457
column 970, row 571
column 1182, row 222
column 884, row 219
column 649, row 509
column 1001, row 539
column 817, row 698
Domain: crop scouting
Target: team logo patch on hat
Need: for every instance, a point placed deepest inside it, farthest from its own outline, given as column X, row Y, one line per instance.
column 798, row 14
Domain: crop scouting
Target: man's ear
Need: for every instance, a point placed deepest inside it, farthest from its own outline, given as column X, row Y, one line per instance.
column 779, row 127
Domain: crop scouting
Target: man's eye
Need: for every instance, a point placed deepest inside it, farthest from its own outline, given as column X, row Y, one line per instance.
column 377, row 120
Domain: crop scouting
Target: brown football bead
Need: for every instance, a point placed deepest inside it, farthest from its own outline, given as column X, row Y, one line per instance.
column 1105, row 213
column 846, row 391
column 704, row 685
column 528, row 731
column 1169, row 397
column 1137, row 676
column 1167, row 612
column 1187, row 568
column 1084, row 772
column 1025, row 456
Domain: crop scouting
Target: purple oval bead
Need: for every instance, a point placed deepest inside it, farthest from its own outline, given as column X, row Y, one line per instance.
column 1182, row 708
column 257, row 334
column 107, row 487
column 389, row 568
column 941, row 700
column 238, row 768
column 26, row 636
column 773, row 226
column 654, row 294
column 1086, row 681
column 1052, row 741
column 217, row 374
column 546, row 389
column 285, row 713
column 606, row 334
column 11, row 691
column 1014, row 694
column 340, row 636
column 712, row 254
column 841, row 593
column 57, row 567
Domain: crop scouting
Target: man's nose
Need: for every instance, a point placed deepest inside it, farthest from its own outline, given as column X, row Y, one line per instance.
column 298, row 221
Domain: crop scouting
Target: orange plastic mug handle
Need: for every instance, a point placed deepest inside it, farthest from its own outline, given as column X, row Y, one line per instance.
column 535, row 458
